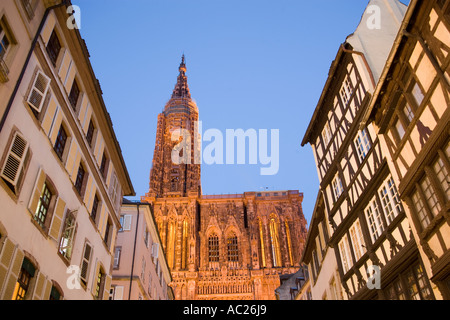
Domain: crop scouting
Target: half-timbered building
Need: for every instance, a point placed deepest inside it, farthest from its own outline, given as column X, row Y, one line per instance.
column 411, row 112
column 368, row 228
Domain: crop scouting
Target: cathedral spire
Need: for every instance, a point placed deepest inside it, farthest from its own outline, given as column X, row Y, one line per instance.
column 181, row 88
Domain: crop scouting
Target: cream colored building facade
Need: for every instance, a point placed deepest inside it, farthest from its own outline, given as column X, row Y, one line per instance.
column 411, row 113
column 360, row 231
column 140, row 270
column 62, row 175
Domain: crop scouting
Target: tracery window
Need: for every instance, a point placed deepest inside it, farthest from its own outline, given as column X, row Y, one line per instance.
column 213, row 251
column 233, row 250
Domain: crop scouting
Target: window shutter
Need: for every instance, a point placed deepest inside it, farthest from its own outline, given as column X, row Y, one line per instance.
column 57, row 219
column 102, row 220
column 39, row 288
column 155, row 251
column 64, row 68
column 94, row 281
column 38, row 91
column 70, row 163
column 107, row 287
column 113, row 240
column 6, row 256
column 40, row 181
column 13, row 274
column 127, row 222
column 87, row 253
column 48, row 28
column 57, row 121
column 15, row 160
column 88, row 195
column 118, row 293
column 49, row 116
column 48, row 289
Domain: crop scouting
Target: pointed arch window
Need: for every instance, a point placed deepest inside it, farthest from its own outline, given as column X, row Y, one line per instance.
column 184, row 245
column 171, row 244
column 232, row 250
column 261, row 239
column 213, row 251
column 289, row 242
column 275, row 242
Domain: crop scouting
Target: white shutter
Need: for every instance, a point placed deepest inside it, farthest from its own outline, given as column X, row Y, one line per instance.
column 15, row 160
column 127, row 222
column 155, row 250
column 118, row 293
column 38, row 91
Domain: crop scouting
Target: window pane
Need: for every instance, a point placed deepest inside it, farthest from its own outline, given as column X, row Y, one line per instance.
column 442, row 175
column 399, row 290
column 233, row 250
column 420, row 209
column 43, row 206
column 423, row 284
column 65, row 247
column 80, row 178
column 374, row 220
column 344, row 250
column 400, row 129
column 213, row 254
column 60, row 143
column 417, row 93
column 362, row 143
column 412, row 287
column 74, row 94
column 430, row 196
column 390, row 200
column 408, row 113
column 53, row 47
column 357, row 240
column 337, row 187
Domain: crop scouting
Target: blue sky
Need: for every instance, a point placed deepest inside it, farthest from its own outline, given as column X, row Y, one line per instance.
column 250, row 64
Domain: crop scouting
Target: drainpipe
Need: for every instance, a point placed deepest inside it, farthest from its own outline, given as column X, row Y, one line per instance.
column 134, row 252
column 30, row 52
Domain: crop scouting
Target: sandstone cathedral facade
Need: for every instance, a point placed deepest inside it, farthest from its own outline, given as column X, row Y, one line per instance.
column 218, row 246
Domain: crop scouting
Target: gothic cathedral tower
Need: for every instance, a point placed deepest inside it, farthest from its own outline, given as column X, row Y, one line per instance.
column 168, row 179
column 217, row 246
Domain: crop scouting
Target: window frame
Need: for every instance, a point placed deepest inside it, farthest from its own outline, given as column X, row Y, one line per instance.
column 53, row 56
column 74, row 95
column 363, row 144
column 39, row 217
column 213, row 250
column 24, row 160
column 337, row 186
column 71, row 230
column 60, row 146
column 388, row 191
column 357, row 240
column 80, row 178
column 374, row 220
column 345, row 254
